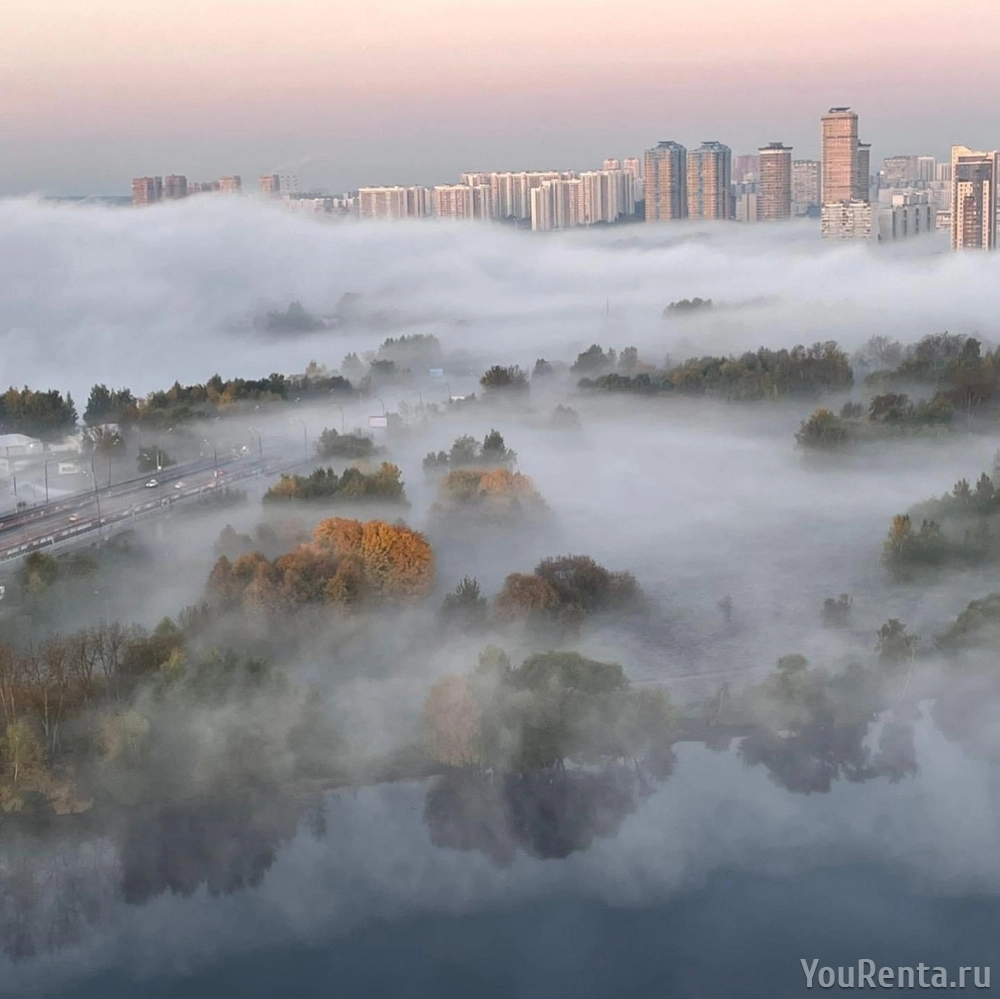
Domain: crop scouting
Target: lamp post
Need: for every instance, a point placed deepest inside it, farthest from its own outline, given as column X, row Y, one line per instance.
column 305, row 435
column 382, row 404
column 260, row 442
column 215, row 454
column 47, row 462
column 97, row 492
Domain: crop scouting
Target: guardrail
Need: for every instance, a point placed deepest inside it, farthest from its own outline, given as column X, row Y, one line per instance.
column 121, row 520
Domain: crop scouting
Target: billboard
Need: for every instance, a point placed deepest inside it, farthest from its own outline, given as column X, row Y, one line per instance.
column 436, row 372
column 376, row 422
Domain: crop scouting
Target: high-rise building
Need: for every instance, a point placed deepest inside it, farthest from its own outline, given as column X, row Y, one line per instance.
column 926, row 165
column 805, row 186
column 231, row 185
column 942, row 173
column 709, row 177
column 906, row 214
column 452, row 201
column 847, row 220
column 899, row 171
column 633, row 165
column 748, row 206
column 863, row 184
column 419, row 203
column 974, row 199
column 840, row 156
column 270, row 185
column 382, row 203
column 146, row 190
column 666, row 182
column 774, row 185
column 612, row 164
column 175, row 186
column 745, row 168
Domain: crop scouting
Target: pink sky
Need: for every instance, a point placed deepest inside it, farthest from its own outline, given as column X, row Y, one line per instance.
column 98, row 90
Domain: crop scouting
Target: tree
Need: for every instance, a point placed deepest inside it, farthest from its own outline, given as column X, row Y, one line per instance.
column 334, row 445
column 465, row 605
column 452, row 723
column 505, row 379
column 593, row 361
column 837, row 611
column 542, row 369
column 153, row 459
column 823, row 430
column 895, row 646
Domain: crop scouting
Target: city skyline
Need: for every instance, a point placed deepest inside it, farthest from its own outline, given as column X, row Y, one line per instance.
column 235, row 89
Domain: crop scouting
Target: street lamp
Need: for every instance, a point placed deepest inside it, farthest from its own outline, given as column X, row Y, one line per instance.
column 215, row 454
column 382, row 404
column 305, row 434
column 260, row 442
column 97, row 492
column 48, row 461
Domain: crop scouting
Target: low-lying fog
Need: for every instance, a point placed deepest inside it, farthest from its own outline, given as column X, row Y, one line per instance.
column 701, row 500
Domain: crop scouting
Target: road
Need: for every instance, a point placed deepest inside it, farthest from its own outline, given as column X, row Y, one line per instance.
column 90, row 515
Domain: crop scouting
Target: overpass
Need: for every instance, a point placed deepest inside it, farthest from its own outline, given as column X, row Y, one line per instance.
column 90, row 518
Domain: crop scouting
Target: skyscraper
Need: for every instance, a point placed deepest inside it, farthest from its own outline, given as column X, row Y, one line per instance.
column 270, row 185
column 709, row 176
column 146, row 190
column 666, row 182
column 382, row 203
column 805, row 186
column 774, row 188
column 974, row 199
column 863, row 178
column 175, row 186
column 231, row 185
column 840, row 156
column 452, row 201
column 612, row 164
column 633, row 166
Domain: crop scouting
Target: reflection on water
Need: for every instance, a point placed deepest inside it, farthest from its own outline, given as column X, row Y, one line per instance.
column 221, row 858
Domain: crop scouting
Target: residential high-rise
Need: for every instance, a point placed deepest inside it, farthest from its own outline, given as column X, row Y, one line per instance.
column 745, row 168
column 382, row 203
column 666, row 182
column 452, row 201
column 863, row 179
column 900, row 171
column 805, row 186
column 270, row 185
column 175, row 186
column 612, row 164
column 974, row 199
column 907, row 214
column 231, row 185
column 709, row 176
column 926, row 165
column 942, row 173
column 633, row 165
column 146, row 190
column 840, row 156
column 774, row 185
column 847, row 220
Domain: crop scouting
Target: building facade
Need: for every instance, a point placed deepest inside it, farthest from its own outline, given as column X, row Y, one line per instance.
column 665, row 182
column 774, row 185
column 175, row 186
column 906, row 215
column 840, row 156
column 974, row 199
column 805, row 186
column 147, row 190
column 709, row 181
column 847, row 220
column 270, row 185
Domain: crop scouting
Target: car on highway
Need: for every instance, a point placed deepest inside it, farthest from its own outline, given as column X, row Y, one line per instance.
column 219, row 473
column 179, row 485
column 74, row 517
column 152, row 483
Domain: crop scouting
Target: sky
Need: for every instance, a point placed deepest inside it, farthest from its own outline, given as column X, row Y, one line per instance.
column 417, row 91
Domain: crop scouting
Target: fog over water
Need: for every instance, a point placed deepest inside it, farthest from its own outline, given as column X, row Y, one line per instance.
column 709, row 503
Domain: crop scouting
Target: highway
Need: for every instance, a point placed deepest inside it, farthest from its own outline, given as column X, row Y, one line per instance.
column 87, row 517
